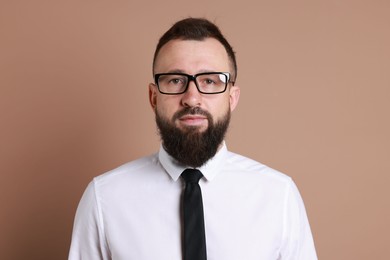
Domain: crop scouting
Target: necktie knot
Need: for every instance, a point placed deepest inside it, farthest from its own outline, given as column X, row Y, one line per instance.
column 191, row 175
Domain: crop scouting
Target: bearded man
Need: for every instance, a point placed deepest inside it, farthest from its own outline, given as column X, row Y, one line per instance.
column 194, row 199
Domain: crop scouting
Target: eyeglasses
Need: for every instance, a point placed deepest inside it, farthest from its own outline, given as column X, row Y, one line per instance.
column 206, row 83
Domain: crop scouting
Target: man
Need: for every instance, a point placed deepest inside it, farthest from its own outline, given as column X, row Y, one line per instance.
column 146, row 210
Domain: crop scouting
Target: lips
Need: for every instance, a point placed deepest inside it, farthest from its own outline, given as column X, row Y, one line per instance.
column 193, row 119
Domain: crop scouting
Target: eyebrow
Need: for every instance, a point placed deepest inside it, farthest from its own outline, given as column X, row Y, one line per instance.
column 182, row 71
column 176, row 71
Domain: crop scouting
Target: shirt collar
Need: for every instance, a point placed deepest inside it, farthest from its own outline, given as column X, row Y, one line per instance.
column 209, row 170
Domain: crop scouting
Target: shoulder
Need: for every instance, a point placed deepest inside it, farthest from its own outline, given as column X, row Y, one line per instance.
column 130, row 169
column 248, row 166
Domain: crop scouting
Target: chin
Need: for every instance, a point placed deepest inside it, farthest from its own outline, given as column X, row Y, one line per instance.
column 193, row 129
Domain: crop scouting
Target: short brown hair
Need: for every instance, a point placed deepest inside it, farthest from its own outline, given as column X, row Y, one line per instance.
column 196, row 29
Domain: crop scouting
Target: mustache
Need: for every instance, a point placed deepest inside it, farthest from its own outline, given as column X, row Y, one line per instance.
column 192, row 111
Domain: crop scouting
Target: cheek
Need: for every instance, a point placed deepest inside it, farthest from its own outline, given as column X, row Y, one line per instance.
column 219, row 106
column 166, row 107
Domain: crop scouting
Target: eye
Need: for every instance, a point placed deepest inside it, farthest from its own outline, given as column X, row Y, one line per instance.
column 209, row 81
column 176, row 81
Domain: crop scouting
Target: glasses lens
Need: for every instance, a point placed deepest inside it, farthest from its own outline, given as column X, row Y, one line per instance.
column 212, row 82
column 172, row 83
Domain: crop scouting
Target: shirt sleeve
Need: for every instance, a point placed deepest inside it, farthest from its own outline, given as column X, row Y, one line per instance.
column 297, row 237
column 88, row 238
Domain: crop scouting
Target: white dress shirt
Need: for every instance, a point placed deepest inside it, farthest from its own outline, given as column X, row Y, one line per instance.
column 251, row 212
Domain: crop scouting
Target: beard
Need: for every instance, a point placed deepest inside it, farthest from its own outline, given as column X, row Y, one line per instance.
column 189, row 146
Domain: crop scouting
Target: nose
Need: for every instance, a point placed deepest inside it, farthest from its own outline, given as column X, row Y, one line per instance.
column 192, row 97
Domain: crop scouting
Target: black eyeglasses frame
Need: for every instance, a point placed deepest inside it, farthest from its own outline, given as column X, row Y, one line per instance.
column 193, row 78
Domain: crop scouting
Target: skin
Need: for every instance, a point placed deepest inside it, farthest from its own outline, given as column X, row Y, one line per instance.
column 192, row 57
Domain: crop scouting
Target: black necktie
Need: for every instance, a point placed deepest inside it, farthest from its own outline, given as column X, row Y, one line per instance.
column 194, row 245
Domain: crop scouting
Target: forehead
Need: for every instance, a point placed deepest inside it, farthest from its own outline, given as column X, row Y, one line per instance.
column 192, row 56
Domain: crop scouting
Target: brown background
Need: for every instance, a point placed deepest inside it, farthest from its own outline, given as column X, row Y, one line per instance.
column 315, row 86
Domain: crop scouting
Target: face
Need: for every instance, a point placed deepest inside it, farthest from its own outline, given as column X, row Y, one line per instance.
column 192, row 125
column 192, row 57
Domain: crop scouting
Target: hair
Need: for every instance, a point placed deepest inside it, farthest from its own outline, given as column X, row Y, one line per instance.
column 196, row 29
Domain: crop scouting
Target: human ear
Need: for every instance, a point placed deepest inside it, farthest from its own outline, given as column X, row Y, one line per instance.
column 153, row 95
column 234, row 96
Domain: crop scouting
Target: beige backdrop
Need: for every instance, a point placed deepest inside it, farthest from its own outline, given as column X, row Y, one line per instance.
column 315, row 87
